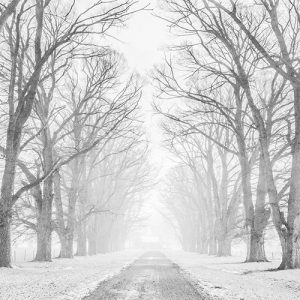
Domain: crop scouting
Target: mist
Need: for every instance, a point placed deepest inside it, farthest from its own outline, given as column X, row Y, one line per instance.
column 149, row 149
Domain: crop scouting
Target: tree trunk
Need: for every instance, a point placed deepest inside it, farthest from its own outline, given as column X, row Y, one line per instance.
column 247, row 196
column 202, row 247
column 224, row 246
column 66, row 250
column 277, row 215
column 92, row 236
column 59, row 222
column 70, row 244
column 43, row 252
column 44, row 226
column 264, row 138
column 293, row 253
column 223, row 238
column 5, row 255
column 92, row 246
column 261, row 217
column 63, row 245
column 71, row 226
column 202, row 235
column 6, row 200
column 257, row 248
column 44, row 220
column 245, row 170
column 82, row 223
column 81, row 241
column 72, row 201
column 283, row 243
column 212, row 245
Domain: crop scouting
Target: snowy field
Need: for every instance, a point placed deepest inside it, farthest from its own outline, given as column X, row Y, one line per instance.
column 227, row 278
column 61, row 279
column 230, row 278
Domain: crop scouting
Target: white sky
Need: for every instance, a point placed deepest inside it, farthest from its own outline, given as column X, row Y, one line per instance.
column 144, row 38
column 142, row 42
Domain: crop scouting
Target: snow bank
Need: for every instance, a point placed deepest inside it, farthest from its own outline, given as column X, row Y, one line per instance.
column 230, row 278
column 62, row 279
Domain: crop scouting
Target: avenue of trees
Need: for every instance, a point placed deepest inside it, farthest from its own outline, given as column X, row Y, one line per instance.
column 72, row 149
column 232, row 120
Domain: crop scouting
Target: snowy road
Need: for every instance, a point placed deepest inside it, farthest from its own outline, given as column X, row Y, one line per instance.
column 151, row 277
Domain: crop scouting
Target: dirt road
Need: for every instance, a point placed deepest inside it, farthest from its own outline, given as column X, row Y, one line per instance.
column 151, row 277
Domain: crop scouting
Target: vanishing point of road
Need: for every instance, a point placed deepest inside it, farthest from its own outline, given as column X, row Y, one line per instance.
column 151, row 277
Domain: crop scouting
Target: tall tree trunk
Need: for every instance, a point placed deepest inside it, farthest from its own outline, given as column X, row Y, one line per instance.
column 224, row 246
column 82, row 239
column 59, row 213
column 245, row 169
column 72, row 201
column 70, row 229
column 44, row 220
column 82, row 223
column 92, row 236
column 44, row 223
column 66, row 244
column 201, row 235
column 277, row 215
column 7, row 189
column 70, row 243
column 63, row 245
column 257, row 248
column 293, row 251
column 5, row 242
column 247, row 198
column 223, row 238
column 262, row 215
column 264, row 139
column 212, row 244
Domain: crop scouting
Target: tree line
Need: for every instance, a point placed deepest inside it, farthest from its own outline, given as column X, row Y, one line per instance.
column 72, row 146
column 233, row 126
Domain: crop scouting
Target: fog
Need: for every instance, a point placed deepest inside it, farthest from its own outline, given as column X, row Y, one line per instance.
column 149, row 148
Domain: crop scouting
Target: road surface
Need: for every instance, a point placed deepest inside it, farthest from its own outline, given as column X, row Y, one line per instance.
column 151, row 277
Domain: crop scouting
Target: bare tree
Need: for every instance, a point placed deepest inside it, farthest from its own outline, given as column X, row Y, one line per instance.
column 221, row 63
column 116, row 184
column 284, row 32
column 217, row 196
column 30, row 48
column 100, row 115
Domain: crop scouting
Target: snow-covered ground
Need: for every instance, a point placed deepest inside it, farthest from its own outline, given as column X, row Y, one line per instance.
column 230, row 278
column 62, row 278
